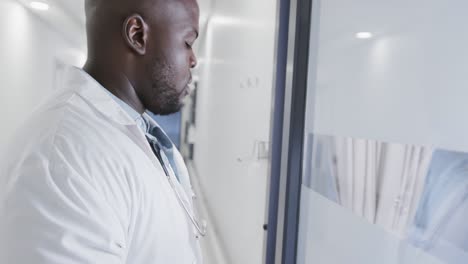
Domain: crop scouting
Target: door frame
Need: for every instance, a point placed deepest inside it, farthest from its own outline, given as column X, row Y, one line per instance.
column 292, row 69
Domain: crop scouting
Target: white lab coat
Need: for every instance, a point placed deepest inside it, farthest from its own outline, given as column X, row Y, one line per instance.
column 82, row 186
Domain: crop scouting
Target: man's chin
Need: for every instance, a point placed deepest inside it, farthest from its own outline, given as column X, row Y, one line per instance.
column 170, row 110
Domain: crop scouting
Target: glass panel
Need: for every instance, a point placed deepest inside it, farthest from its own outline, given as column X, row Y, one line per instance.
column 386, row 152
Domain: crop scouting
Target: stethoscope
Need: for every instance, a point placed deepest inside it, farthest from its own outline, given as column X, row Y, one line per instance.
column 201, row 228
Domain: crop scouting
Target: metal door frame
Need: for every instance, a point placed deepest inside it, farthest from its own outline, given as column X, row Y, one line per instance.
column 292, row 63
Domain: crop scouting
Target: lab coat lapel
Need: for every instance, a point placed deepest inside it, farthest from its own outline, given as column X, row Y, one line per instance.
column 183, row 181
column 92, row 92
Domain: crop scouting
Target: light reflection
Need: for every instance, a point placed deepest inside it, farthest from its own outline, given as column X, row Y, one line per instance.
column 364, row 35
column 38, row 5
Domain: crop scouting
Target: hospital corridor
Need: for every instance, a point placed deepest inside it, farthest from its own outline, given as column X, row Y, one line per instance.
column 311, row 132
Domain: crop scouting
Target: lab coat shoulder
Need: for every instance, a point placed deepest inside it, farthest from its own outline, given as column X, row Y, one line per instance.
column 65, row 201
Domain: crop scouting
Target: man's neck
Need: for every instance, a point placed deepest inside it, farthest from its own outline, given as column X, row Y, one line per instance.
column 116, row 83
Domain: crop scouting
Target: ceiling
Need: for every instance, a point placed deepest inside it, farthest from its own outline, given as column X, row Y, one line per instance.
column 66, row 17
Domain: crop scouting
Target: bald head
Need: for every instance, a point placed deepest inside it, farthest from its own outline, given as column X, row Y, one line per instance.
column 105, row 17
column 95, row 8
column 148, row 42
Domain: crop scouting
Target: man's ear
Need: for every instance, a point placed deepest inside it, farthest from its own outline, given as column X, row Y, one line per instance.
column 135, row 33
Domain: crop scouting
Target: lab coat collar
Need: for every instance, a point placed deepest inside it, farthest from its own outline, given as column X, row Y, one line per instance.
column 94, row 93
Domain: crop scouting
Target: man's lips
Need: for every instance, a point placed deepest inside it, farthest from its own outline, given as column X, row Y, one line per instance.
column 189, row 86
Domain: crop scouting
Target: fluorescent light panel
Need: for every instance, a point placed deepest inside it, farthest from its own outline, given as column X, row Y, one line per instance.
column 38, row 5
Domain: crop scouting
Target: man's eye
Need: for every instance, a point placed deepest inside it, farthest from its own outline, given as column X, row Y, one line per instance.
column 188, row 45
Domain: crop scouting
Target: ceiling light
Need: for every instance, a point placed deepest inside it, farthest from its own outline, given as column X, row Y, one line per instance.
column 38, row 5
column 364, row 35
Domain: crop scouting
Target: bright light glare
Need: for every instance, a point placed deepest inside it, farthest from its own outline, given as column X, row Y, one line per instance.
column 364, row 35
column 39, row 5
column 82, row 58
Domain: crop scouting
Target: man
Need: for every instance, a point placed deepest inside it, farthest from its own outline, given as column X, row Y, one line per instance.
column 91, row 178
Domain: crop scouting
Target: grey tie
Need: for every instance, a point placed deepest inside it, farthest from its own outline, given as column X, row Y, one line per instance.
column 157, row 151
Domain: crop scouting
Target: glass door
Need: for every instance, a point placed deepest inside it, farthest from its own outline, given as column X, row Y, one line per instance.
column 385, row 149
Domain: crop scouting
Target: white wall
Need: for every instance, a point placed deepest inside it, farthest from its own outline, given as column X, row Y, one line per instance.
column 233, row 113
column 29, row 51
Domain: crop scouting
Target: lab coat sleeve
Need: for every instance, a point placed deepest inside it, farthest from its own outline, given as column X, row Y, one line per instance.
column 51, row 214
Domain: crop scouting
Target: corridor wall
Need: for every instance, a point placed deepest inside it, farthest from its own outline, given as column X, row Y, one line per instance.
column 31, row 51
column 232, row 129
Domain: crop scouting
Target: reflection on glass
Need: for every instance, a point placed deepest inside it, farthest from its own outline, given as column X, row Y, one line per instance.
column 440, row 225
column 415, row 193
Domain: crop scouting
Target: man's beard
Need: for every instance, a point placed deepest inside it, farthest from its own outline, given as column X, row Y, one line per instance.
column 164, row 98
